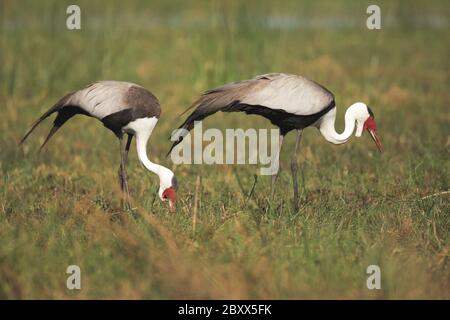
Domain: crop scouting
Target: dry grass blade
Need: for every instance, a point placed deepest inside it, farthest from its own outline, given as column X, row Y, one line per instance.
column 436, row 194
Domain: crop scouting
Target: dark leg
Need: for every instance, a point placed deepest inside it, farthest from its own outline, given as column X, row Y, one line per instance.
column 275, row 175
column 294, row 168
column 122, row 169
column 127, row 147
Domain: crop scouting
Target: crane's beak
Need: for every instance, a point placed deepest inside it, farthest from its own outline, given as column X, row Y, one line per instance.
column 172, row 206
column 376, row 139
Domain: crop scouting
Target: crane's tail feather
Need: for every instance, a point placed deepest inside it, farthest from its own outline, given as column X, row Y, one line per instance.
column 56, row 107
column 226, row 98
column 50, row 134
column 183, row 130
column 58, row 123
column 181, row 133
column 35, row 124
column 204, row 109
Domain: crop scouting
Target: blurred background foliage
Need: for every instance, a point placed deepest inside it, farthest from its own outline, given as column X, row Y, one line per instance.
column 358, row 208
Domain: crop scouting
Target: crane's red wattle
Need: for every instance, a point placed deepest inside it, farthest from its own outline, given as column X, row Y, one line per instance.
column 170, row 194
column 370, row 124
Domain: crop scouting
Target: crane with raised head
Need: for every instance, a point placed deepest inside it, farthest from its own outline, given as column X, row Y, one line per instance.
column 290, row 102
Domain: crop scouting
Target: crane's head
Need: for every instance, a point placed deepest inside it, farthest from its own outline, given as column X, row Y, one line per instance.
column 365, row 120
column 168, row 188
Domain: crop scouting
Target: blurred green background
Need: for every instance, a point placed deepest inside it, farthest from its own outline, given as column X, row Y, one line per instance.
column 358, row 208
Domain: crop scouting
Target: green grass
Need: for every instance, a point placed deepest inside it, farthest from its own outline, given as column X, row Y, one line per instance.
column 358, row 207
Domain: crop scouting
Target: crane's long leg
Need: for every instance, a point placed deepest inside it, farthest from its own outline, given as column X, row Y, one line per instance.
column 275, row 175
column 294, row 168
column 125, row 161
column 122, row 169
column 127, row 147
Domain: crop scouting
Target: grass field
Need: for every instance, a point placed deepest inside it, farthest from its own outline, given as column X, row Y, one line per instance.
column 358, row 207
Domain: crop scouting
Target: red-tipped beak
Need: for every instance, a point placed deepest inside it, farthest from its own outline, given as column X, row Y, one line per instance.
column 376, row 139
column 172, row 206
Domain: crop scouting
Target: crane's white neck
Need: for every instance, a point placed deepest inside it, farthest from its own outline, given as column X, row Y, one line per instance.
column 142, row 129
column 141, row 145
column 328, row 130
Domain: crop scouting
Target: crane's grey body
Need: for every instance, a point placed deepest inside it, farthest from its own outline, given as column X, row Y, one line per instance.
column 278, row 91
column 115, row 103
column 288, row 101
column 122, row 107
